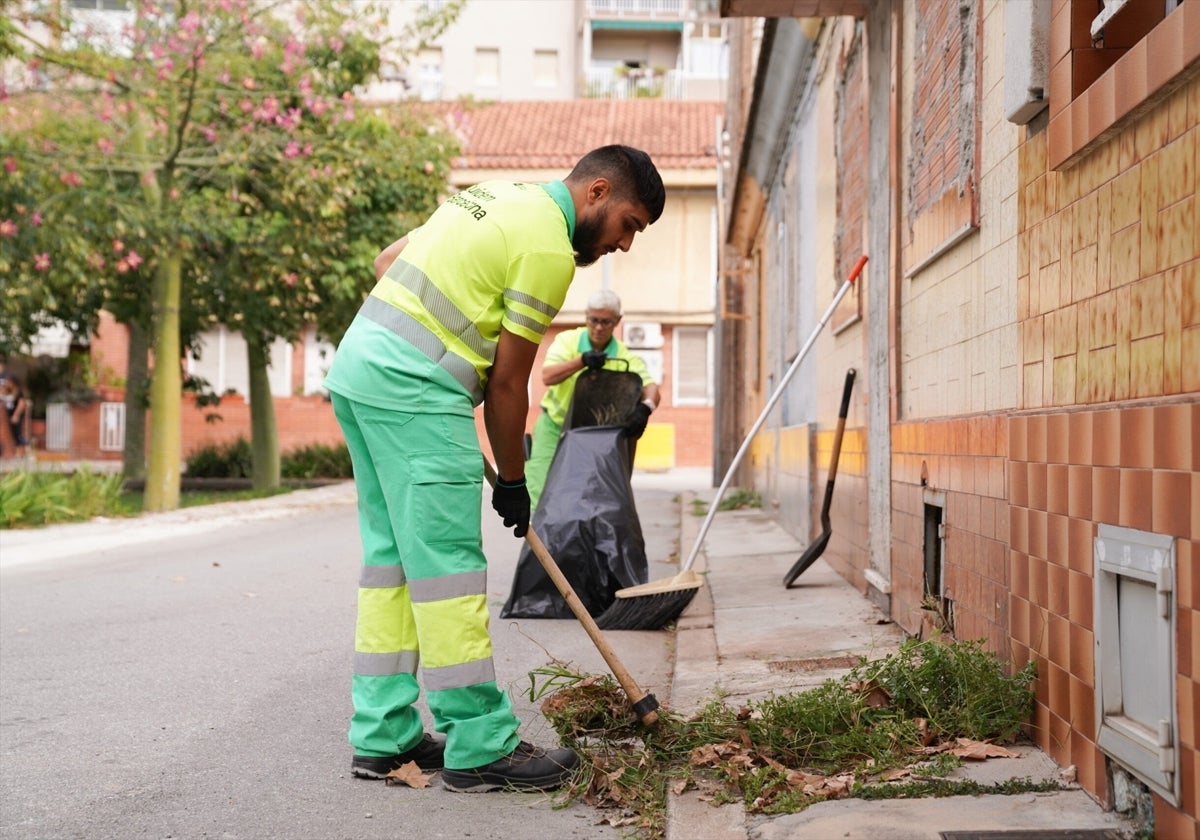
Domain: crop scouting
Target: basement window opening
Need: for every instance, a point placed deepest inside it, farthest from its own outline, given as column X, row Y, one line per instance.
column 934, row 597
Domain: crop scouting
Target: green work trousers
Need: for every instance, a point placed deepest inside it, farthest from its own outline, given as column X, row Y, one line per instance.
column 545, row 443
column 422, row 596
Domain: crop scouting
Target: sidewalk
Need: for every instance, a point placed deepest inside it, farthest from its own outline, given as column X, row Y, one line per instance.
column 748, row 636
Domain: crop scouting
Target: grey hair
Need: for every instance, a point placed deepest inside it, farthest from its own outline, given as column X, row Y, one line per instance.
column 605, row 299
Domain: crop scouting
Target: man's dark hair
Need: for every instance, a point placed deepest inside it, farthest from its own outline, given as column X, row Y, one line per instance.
column 631, row 173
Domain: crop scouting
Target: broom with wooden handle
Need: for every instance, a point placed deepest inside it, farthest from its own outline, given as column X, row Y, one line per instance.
column 645, row 705
column 654, row 605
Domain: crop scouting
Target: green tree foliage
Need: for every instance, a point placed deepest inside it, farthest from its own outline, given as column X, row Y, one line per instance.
column 207, row 164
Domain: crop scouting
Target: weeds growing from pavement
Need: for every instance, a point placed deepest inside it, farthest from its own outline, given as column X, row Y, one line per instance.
column 889, row 728
column 737, row 498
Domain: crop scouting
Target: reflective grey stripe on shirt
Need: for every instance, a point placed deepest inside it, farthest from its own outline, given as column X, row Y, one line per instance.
column 386, row 664
column 448, row 586
column 460, row 676
column 443, row 310
column 419, row 336
column 531, row 302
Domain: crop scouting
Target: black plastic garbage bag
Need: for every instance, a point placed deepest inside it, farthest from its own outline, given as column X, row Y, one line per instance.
column 588, row 521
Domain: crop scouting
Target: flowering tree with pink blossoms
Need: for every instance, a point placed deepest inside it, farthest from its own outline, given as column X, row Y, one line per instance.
column 196, row 166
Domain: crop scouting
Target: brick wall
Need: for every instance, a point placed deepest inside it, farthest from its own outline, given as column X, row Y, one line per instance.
column 964, row 458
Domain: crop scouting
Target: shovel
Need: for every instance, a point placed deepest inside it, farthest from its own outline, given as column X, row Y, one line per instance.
column 818, row 546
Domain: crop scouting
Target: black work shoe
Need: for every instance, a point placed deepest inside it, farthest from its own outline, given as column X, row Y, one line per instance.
column 526, row 768
column 427, row 753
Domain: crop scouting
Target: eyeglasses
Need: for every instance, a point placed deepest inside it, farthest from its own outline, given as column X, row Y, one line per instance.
column 602, row 322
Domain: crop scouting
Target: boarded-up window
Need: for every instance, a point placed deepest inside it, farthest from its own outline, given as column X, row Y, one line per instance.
column 851, row 142
column 943, row 176
column 693, row 382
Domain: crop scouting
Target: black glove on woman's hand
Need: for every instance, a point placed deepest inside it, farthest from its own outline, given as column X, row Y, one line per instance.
column 594, row 359
column 510, row 499
column 637, row 424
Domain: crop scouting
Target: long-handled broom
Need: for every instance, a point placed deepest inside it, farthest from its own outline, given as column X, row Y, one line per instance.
column 654, row 605
column 645, row 705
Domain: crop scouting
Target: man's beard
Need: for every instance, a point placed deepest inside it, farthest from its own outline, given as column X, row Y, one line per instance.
column 587, row 235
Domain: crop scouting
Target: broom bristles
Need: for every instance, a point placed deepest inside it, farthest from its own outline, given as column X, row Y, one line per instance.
column 651, row 606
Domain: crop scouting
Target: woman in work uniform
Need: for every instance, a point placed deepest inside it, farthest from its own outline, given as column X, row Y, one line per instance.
column 455, row 319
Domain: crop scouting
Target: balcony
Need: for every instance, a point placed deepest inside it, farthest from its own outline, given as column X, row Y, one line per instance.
column 637, row 9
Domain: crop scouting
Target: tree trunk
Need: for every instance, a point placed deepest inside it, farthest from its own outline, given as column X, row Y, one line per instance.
column 264, row 435
column 134, row 455
column 166, row 388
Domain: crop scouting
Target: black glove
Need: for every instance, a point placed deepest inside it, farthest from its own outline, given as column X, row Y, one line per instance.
column 510, row 499
column 637, row 424
column 594, row 359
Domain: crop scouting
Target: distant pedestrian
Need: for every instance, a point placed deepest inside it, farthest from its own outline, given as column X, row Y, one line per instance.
column 16, row 411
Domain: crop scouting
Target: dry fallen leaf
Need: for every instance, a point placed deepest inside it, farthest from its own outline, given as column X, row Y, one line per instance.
column 981, row 750
column 897, row 773
column 407, row 774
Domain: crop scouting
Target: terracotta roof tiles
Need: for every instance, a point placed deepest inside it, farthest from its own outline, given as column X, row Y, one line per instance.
column 677, row 134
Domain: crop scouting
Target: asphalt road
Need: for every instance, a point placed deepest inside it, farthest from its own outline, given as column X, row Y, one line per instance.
column 187, row 675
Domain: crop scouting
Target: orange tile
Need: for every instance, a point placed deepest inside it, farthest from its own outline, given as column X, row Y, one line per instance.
column 1060, row 738
column 1106, row 495
column 1035, row 431
column 1018, row 575
column 1057, row 591
column 1058, row 437
column 1187, row 576
column 1172, row 503
column 1018, row 529
column 1171, row 822
column 1060, row 689
column 1083, row 716
column 1037, row 485
column 1186, row 691
column 1081, row 541
column 1106, row 438
column 1081, row 594
column 1037, row 581
column 1018, row 483
column 1057, row 488
column 1137, row 437
column 1136, row 495
column 1079, row 438
column 1189, row 783
column 1058, row 540
column 1185, row 643
column 1079, row 492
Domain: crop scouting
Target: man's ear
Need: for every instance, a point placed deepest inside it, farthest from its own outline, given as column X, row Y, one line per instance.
column 598, row 190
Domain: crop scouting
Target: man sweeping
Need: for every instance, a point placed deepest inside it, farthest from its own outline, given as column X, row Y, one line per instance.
column 455, row 319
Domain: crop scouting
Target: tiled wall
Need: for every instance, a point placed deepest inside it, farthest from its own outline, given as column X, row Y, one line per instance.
column 1109, row 320
column 1136, row 467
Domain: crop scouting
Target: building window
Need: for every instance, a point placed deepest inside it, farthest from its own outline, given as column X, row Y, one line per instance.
column 545, row 68
column 693, row 363
column 487, row 66
column 428, row 79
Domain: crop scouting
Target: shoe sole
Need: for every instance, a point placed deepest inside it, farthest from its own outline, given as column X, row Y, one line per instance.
column 364, row 773
column 479, row 785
